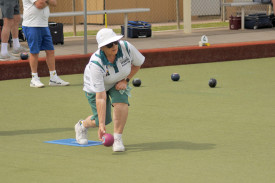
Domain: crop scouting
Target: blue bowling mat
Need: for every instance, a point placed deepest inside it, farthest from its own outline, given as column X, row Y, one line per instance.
column 72, row 142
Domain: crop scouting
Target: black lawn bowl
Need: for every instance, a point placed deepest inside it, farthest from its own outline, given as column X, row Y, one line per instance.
column 24, row 56
column 175, row 77
column 212, row 83
column 136, row 82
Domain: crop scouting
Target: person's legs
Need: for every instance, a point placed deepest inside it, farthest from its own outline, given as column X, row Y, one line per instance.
column 92, row 120
column 54, row 79
column 120, row 117
column 88, row 122
column 81, row 130
column 34, row 62
column 15, row 26
column 120, row 103
column 8, row 12
column 34, row 40
column 5, row 35
column 47, row 45
column 17, row 48
column 50, row 59
column 12, row 18
column 35, row 82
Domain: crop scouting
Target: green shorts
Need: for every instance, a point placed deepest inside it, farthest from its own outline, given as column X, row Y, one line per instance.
column 116, row 97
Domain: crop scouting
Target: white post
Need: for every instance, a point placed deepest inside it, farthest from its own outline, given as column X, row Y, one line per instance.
column 178, row 14
column 187, row 16
column 74, row 19
column 223, row 11
column 125, row 25
column 85, row 28
column 269, row 9
column 242, row 24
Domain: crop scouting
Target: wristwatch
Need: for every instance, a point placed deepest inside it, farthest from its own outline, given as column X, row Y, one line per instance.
column 127, row 79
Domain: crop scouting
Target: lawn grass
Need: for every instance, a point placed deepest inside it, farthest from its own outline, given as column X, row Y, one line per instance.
column 177, row 132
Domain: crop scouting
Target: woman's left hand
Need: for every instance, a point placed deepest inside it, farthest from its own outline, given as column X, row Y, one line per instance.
column 121, row 85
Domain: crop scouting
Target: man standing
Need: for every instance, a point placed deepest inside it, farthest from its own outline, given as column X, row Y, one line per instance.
column 37, row 32
column 12, row 18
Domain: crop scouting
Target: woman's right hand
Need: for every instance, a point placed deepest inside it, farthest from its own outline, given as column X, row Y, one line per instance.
column 121, row 85
column 101, row 131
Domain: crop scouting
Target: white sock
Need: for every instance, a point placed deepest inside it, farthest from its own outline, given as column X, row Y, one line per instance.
column 82, row 125
column 4, row 49
column 117, row 136
column 34, row 75
column 15, row 43
column 53, row 74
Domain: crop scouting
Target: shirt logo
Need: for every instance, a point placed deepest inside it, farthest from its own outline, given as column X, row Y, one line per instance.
column 125, row 62
column 107, row 73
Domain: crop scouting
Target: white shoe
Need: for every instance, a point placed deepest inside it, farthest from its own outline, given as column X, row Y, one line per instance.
column 58, row 82
column 4, row 57
column 7, row 57
column 118, row 145
column 18, row 51
column 80, row 133
column 36, row 83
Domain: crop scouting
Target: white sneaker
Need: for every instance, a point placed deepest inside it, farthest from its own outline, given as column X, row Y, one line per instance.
column 80, row 133
column 4, row 57
column 118, row 145
column 18, row 51
column 58, row 82
column 36, row 83
column 7, row 57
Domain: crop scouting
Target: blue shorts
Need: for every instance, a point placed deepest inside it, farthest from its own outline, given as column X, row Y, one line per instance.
column 39, row 38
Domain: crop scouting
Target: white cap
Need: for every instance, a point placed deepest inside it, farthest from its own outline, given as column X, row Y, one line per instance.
column 106, row 36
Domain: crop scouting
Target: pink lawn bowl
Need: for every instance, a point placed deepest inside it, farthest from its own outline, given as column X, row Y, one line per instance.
column 108, row 139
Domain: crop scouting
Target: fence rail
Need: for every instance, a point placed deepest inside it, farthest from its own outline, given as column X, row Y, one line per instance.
column 85, row 13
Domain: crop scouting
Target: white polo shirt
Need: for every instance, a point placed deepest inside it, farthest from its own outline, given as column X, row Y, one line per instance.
column 34, row 17
column 100, row 75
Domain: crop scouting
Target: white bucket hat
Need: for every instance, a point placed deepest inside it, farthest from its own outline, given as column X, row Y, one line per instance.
column 106, row 36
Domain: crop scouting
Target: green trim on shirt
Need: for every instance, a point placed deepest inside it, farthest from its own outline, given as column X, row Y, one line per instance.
column 105, row 61
column 97, row 63
column 126, row 46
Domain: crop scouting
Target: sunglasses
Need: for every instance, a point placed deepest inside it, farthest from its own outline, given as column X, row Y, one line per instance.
column 110, row 45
